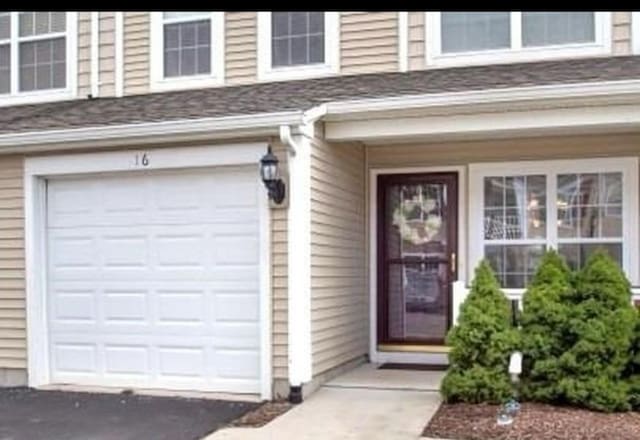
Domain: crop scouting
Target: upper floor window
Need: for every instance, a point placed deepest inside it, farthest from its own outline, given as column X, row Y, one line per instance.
column 297, row 44
column 187, row 49
column 37, row 56
column 456, row 38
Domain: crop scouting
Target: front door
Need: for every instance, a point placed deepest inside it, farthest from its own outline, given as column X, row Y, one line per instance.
column 417, row 246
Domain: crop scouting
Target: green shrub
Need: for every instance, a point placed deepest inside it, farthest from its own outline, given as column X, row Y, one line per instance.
column 481, row 343
column 545, row 335
column 633, row 368
column 600, row 329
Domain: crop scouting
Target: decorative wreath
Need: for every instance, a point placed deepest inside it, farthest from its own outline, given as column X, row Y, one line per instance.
column 424, row 225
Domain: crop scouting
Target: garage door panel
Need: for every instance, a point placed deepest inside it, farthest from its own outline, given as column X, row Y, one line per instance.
column 75, row 357
column 153, row 280
column 127, row 359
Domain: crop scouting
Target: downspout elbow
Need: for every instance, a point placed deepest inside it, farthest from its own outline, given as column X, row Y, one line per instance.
column 287, row 139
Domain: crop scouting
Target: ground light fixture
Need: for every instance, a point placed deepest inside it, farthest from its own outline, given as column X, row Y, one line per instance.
column 270, row 174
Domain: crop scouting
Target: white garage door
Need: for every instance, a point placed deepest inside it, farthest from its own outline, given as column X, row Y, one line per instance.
column 153, row 280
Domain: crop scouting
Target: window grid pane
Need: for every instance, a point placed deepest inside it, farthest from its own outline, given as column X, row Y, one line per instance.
column 297, row 38
column 552, row 28
column 187, row 48
column 589, row 205
column 5, row 69
column 514, row 265
column 475, row 31
column 40, row 23
column 5, row 25
column 42, row 64
column 515, row 207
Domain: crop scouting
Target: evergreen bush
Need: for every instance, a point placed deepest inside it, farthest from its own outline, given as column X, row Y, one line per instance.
column 481, row 344
column 545, row 320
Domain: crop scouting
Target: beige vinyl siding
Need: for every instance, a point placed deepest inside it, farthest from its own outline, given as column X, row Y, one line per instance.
column 463, row 153
column 84, row 54
column 339, row 306
column 241, row 29
column 13, row 353
column 368, row 42
column 621, row 33
column 279, row 280
column 416, row 46
column 106, row 51
column 137, row 35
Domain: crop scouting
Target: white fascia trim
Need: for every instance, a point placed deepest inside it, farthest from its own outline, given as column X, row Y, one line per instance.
column 103, row 135
column 156, row 66
column 331, row 66
column 119, row 53
column 403, row 41
column 491, row 96
column 635, row 31
column 299, row 258
column 516, row 53
column 95, row 54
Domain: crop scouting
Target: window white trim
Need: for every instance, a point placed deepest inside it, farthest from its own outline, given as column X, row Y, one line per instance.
column 331, row 66
column 635, row 31
column 628, row 166
column 36, row 172
column 216, row 77
column 33, row 97
column 435, row 57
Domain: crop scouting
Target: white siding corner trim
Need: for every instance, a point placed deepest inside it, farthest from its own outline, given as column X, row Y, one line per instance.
column 37, row 169
column 403, row 41
column 635, row 31
column 434, row 56
column 216, row 77
column 331, row 66
column 299, row 262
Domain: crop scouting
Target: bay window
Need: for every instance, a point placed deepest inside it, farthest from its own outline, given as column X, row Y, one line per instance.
column 37, row 55
column 456, row 38
column 520, row 209
column 187, row 49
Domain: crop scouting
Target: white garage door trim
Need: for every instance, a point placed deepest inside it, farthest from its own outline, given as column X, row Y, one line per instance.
column 38, row 169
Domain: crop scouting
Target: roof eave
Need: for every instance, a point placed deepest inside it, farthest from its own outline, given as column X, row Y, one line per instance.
column 263, row 124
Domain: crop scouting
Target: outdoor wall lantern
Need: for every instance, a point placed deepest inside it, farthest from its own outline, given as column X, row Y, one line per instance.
column 271, row 177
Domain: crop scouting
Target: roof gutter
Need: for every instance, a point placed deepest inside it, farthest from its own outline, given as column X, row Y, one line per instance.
column 147, row 132
column 626, row 90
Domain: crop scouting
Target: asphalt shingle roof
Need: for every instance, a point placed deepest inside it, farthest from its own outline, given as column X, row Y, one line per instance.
column 304, row 94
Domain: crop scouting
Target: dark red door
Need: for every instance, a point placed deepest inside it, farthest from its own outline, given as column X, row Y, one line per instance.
column 417, row 246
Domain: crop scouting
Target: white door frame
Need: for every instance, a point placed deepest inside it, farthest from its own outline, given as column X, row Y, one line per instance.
column 380, row 356
column 38, row 169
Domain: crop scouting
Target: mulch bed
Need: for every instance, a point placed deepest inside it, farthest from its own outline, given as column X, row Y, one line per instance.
column 262, row 414
column 533, row 422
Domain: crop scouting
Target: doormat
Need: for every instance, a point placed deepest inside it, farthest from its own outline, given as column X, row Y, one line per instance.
column 417, row 367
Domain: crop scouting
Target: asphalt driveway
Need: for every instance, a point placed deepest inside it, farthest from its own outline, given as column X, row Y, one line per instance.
column 27, row 414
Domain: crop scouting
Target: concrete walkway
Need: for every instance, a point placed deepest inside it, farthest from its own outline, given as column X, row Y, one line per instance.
column 365, row 403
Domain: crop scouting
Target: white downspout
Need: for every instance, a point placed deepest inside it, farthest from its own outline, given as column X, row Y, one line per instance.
column 298, row 260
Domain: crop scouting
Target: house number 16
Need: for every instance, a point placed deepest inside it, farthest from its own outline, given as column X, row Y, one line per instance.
column 142, row 160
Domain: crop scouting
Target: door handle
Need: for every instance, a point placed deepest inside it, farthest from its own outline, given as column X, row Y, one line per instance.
column 453, row 262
